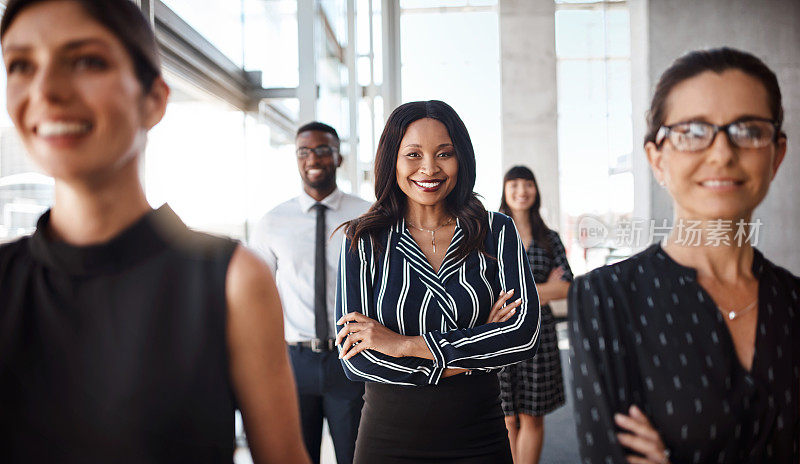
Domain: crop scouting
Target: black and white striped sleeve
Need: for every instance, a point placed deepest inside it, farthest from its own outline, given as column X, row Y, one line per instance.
column 354, row 292
column 501, row 343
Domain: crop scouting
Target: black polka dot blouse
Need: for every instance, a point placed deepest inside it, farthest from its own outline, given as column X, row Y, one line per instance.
column 644, row 332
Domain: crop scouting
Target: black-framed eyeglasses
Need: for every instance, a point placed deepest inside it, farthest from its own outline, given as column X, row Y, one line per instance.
column 322, row 151
column 698, row 135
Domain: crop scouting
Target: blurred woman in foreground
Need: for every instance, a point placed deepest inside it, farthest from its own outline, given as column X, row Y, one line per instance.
column 125, row 337
column 687, row 351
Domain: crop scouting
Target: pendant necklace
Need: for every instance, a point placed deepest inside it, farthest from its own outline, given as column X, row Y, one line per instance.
column 734, row 314
column 432, row 231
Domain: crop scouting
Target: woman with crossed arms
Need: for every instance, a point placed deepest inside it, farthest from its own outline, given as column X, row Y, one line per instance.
column 424, row 275
column 687, row 352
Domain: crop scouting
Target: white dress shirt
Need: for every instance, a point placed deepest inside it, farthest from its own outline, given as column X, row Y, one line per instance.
column 285, row 237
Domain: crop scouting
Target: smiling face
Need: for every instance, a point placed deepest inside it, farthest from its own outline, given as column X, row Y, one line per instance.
column 73, row 94
column 318, row 172
column 427, row 166
column 520, row 194
column 723, row 181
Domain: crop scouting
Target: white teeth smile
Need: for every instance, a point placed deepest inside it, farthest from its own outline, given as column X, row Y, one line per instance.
column 428, row 185
column 58, row 128
column 718, row 183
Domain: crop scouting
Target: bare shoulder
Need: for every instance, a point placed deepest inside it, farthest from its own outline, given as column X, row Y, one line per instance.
column 246, row 265
column 249, row 282
column 260, row 370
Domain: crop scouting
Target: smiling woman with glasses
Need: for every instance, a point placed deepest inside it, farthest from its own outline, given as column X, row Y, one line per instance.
column 685, row 352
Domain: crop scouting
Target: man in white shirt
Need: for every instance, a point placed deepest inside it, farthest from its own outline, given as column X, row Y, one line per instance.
column 295, row 240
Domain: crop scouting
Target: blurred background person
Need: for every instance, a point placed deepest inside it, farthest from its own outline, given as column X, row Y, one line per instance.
column 535, row 387
column 687, row 352
column 423, row 282
column 300, row 240
column 125, row 337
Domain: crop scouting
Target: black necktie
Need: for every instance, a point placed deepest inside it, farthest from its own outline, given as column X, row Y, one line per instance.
column 320, row 296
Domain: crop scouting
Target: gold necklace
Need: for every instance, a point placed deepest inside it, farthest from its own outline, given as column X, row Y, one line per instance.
column 432, row 231
column 734, row 314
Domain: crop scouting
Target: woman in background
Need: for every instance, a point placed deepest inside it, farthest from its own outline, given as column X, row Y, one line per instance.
column 535, row 387
column 688, row 350
column 124, row 336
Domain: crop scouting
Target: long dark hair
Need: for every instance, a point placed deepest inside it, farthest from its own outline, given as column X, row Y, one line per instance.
column 716, row 60
column 123, row 19
column 390, row 204
column 538, row 228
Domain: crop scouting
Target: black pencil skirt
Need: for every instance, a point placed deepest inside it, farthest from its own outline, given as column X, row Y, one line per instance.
column 458, row 421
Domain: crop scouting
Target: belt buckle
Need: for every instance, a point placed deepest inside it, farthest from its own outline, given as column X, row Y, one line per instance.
column 316, row 345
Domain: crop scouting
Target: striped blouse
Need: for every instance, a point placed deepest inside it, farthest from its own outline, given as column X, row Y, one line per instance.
column 449, row 308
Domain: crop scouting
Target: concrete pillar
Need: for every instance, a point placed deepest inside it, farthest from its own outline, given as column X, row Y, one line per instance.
column 529, row 111
column 390, row 34
column 307, row 60
column 770, row 29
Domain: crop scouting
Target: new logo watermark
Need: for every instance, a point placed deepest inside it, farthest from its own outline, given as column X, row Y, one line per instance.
column 593, row 232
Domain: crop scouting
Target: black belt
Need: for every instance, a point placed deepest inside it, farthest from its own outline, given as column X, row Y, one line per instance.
column 316, row 345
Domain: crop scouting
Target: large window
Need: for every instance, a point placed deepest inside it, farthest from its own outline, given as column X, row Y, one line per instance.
column 443, row 58
column 369, row 71
column 217, row 167
column 270, row 38
column 594, row 110
column 221, row 23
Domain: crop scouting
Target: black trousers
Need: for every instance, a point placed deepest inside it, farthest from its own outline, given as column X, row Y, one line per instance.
column 458, row 421
column 324, row 391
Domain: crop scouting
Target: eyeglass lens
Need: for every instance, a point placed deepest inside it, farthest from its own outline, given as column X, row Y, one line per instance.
column 693, row 136
column 323, row 151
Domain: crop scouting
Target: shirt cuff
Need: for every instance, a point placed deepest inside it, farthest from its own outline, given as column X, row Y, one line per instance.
column 436, row 375
column 433, row 346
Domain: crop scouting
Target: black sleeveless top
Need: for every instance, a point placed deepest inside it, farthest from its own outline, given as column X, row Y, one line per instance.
column 116, row 352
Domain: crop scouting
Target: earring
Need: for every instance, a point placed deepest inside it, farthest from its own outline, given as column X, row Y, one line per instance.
column 662, row 183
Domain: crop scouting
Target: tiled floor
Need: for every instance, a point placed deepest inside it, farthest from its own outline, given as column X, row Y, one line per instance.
column 560, row 438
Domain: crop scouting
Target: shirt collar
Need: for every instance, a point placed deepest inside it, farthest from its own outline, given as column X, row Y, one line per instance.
column 656, row 250
column 332, row 201
column 151, row 233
